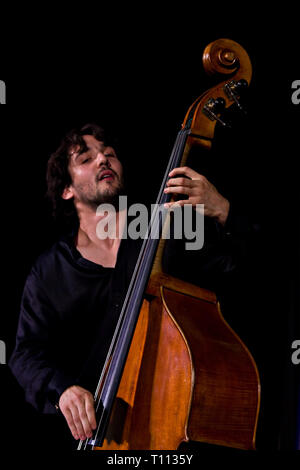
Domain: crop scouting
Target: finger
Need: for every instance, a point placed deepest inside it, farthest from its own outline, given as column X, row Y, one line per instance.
column 78, row 423
column 184, row 170
column 172, row 205
column 87, row 429
column 69, row 418
column 180, row 181
column 178, row 190
column 90, row 411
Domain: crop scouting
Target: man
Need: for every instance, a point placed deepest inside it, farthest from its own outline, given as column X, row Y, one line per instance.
column 74, row 292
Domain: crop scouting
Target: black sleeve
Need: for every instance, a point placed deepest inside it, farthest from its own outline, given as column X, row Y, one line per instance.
column 225, row 253
column 32, row 359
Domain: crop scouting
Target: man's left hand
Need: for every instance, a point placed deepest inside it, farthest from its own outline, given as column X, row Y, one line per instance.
column 199, row 191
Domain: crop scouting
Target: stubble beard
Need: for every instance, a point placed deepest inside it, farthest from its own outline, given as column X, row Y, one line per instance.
column 109, row 195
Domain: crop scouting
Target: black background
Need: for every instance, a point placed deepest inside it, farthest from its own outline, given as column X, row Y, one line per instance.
column 139, row 81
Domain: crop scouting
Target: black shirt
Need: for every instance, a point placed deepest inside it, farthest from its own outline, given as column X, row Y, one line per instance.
column 70, row 306
column 64, row 308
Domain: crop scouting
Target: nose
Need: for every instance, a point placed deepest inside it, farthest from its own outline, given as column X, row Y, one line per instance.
column 102, row 159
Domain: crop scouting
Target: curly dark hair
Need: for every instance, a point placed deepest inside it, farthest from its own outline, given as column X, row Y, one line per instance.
column 58, row 176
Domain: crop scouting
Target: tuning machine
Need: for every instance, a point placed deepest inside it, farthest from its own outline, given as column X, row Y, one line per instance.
column 213, row 108
column 234, row 90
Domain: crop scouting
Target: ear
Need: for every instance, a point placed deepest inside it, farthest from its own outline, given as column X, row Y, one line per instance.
column 67, row 193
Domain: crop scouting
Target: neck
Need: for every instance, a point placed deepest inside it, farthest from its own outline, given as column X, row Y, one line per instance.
column 90, row 222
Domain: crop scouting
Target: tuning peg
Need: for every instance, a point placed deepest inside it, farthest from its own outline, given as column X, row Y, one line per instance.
column 234, row 90
column 241, row 85
column 214, row 107
column 219, row 105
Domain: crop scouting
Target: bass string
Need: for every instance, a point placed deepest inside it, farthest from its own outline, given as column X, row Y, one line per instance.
column 136, row 275
column 172, row 163
column 117, row 361
column 121, row 327
column 172, row 160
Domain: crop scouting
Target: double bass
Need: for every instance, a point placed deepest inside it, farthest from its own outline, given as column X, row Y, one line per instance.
column 175, row 370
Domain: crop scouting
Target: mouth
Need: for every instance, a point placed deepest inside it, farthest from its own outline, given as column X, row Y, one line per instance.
column 106, row 175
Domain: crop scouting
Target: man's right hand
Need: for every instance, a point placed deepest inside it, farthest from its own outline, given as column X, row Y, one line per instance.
column 77, row 406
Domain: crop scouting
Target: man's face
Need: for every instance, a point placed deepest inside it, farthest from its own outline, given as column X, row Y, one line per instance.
column 96, row 174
